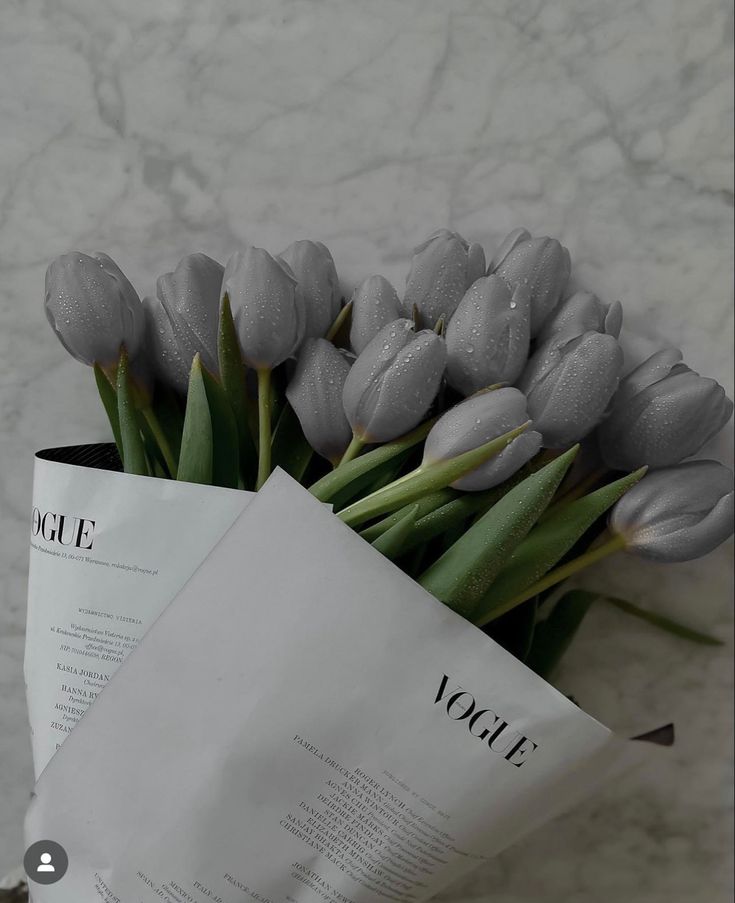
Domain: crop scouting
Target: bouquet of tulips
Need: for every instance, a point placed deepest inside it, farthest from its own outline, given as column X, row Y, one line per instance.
column 443, row 425
column 478, row 432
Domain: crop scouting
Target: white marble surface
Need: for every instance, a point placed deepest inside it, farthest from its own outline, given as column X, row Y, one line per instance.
column 149, row 129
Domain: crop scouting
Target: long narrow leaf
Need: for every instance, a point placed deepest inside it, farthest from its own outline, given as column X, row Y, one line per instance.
column 391, row 543
column 225, row 449
column 327, row 488
column 663, row 623
column 232, row 374
column 423, row 507
column 464, row 573
column 168, row 411
column 371, row 480
column 108, row 397
column 196, row 458
column 134, row 457
column 427, row 478
column 290, row 449
column 550, row 540
column 450, row 516
column 554, row 635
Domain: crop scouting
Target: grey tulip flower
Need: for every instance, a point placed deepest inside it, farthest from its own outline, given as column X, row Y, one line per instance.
column 375, row 304
column 442, row 269
column 677, row 513
column 541, row 264
column 93, row 308
column 488, row 336
column 268, row 307
column 184, row 320
column 315, row 394
column 393, row 382
column 478, row 420
column 569, row 386
column 662, row 413
column 583, row 312
column 313, row 266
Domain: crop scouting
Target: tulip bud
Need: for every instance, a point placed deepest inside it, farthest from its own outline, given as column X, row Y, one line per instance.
column 268, row 307
column 93, row 309
column 569, row 386
column 313, row 267
column 442, row 269
column 580, row 313
column 662, row 413
column 474, row 422
column 488, row 336
column 393, row 382
column 540, row 264
column 375, row 304
column 315, row 394
column 183, row 321
column 677, row 513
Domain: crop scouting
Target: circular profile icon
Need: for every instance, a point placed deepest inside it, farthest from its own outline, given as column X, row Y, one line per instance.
column 45, row 862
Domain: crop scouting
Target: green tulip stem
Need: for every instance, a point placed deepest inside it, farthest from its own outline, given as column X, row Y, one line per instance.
column 591, row 556
column 264, row 425
column 429, row 476
column 353, row 450
column 161, row 440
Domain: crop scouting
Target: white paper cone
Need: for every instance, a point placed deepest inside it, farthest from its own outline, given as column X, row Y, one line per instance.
column 305, row 723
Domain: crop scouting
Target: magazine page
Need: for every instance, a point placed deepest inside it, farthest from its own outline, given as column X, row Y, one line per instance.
column 108, row 552
column 304, row 722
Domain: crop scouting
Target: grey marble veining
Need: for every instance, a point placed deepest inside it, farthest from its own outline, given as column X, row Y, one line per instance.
column 150, row 129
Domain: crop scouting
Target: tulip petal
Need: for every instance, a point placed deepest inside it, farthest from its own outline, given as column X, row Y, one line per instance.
column 269, row 309
column 677, row 513
column 439, row 275
column 375, row 304
column 571, row 398
column 315, row 394
column 313, row 267
column 93, row 308
column 408, row 387
column 488, row 336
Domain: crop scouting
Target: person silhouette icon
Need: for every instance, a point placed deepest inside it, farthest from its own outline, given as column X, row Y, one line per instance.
column 45, row 862
column 45, row 865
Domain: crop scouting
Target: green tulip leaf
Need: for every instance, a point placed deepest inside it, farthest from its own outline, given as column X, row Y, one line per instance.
column 549, row 541
column 167, row 410
column 450, row 516
column 554, row 635
column 225, row 450
column 423, row 507
column 428, row 477
column 343, row 476
column 391, row 543
column 108, row 397
column 290, row 448
column 197, row 454
column 465, row 572
column 232, row 374
column 663, row 623
column 133, row 456
column 371, row 480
